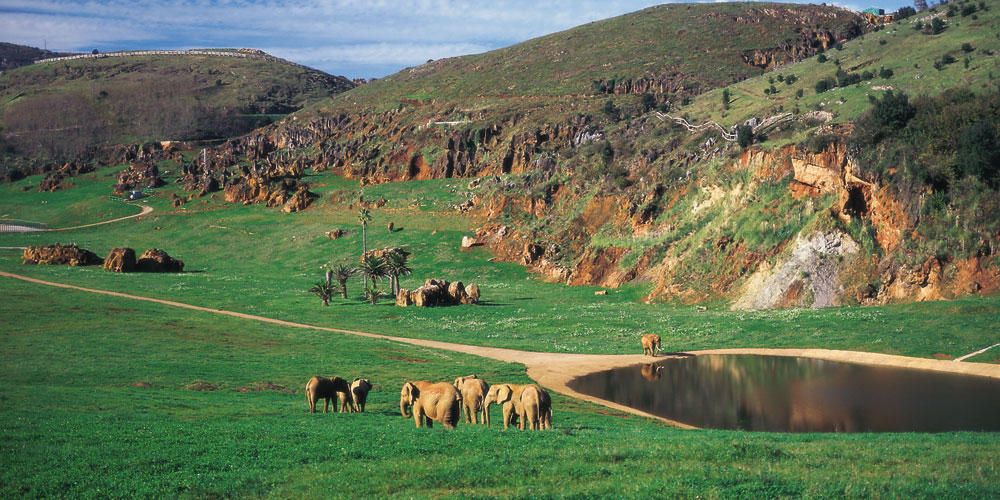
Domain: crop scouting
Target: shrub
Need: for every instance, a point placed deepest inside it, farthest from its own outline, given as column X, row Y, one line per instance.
column 821, row 58
column 867, row 75
column 781, row 78
column 744, row 136
column 918, row 26
column 844, row 78
column 725, row 98
column 893, row 110
column 799, row 93
column 607, row 152
column 967, row 47
column 791, row 79
column 885, row 73
column 905, row 12
column 648, row 101
column 947, row 59
column 978, row 152
column 610, row 109
column 825, row 84
column 882, row 42
column 937, row 26
column 967, row 9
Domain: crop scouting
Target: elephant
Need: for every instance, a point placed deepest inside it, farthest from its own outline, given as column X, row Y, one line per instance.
column 651, row 372
column 530, row 403
column 473, row 391
column 650, row 344
column 438, row 401
column 404, row 406
column 359, row 393
column 327, row 389
column 536, row 408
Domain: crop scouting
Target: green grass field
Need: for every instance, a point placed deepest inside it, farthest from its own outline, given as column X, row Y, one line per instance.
column 97, row 398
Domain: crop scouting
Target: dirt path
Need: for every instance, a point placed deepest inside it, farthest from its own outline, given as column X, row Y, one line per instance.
column 27, row 229
column 555, row 370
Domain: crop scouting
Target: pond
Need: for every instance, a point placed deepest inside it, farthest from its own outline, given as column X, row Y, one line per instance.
column 788, row 394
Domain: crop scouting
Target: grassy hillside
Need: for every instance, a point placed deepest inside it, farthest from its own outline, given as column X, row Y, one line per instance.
column 66, row 110
column 14, row 56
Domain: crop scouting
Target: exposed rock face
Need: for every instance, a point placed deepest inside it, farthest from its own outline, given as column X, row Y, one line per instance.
column 120, row 260
column 468, row 242
column 435, row 292
column 157, row 261
column 258, row 190
column 384, row 252
column 299, row 201
column 64, row 255
column 336, row 233
column 807, row 278
column 138, row 176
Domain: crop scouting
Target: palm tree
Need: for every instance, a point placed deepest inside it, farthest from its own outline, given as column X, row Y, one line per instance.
column 322, row 290
column 364, row 217
column 374, row 267
column 372, row 294
column 396, row 265
column 342, row 273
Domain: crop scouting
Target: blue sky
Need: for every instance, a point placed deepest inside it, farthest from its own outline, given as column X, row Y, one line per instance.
column 354, row 38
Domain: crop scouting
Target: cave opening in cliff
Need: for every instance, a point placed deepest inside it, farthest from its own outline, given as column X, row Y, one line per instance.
column 857, row 202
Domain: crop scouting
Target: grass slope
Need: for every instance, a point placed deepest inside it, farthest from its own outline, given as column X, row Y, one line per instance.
column 118, row 418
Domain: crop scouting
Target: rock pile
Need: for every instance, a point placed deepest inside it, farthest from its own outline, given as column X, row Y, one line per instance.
column 437, row 292
column 120, row 260
column 384, row 252
column 63, row 255
column 157, row 261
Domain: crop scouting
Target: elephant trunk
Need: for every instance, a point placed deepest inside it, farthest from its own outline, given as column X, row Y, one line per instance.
column 486, row 413
column 402, row 408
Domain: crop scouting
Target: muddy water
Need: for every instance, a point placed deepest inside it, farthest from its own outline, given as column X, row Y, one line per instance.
column 776, row 393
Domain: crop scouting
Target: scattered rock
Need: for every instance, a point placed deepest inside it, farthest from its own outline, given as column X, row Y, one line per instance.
column 64, row 255
column 601, row 292
column 157, row 261
column 384, row 252
column 336, row 233
column 469, row 242
column 120, row 260
column 178, row 202
column 299, row 201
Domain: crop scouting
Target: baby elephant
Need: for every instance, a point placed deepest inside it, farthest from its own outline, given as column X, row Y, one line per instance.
column 431, row 401
column 650, row 344
column 327, row 389
column 473, row 391
column 359, row 393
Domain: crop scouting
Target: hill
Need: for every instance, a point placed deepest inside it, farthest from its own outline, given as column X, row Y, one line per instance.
column 14, row 56
column 72, row 109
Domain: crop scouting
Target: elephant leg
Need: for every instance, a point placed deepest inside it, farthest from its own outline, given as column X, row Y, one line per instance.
column 506, row 416
column 418, row 416
column 531, row 415
column 326, row 405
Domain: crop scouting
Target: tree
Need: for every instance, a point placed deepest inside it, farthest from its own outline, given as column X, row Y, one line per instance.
column 374, row 268
column 978, row 152
column 323, row 290
column 364, row 217
column 921, row 5
column 893, row 110
column 396, row 265
column 342, row 273
column 744, row 136
column 372, row 294
column 725, row 98
column 648, row 101
column 937, row 26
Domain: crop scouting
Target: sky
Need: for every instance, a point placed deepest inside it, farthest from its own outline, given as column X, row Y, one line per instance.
column 353, row 38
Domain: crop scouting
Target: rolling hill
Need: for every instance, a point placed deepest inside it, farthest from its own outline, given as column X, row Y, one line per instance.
column 53, row 112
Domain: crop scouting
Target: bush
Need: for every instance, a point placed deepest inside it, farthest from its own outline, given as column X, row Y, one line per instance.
column 905, row 12
column 821, row 58
column 744, row 136
column 947, row 59
column 799, row 93
column 885, row 73
column 648, row 101
column 607, row 152
column 978, row 153
column 967, row 47
column 919, row 25
column 825, row 84
column 967, row 9
column 844, row 78
column 791, row 79
column 610, row 109
column 893, row 110
column 725, row 98
column 867, row 75
column 937, row 26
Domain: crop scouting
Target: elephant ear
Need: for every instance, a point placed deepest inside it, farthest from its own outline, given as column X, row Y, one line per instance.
column 412, row 391
column 504, row 393
column 367, row 384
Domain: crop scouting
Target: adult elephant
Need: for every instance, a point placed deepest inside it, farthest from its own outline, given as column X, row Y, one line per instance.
column 327, row 389
column 650, row 344
column 432, row 402
column 473, row 391
column 404, row 406
column 359, row 393
column 536, row 408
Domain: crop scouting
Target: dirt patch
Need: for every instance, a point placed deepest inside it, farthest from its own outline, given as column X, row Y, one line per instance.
column 399, row 358
column 265, row 386
column 141, row 384
column 119, row 309
column 201, row 386
column 939, row 355
column 619, row 415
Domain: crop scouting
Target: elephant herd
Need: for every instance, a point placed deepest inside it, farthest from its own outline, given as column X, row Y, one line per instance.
column 526, row 406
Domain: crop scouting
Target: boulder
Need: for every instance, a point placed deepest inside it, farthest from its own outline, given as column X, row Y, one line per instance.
column 336, row 233
column 472, row 294
column 404, row 299
column 64, row 255
column 120, row 260
column 468, row 242
column 157, row 261
column 384, row 252
column 299, row 201
column 456, row 292
column 423, row 296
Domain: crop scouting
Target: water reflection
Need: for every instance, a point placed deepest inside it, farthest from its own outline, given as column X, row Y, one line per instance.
column 775, row 393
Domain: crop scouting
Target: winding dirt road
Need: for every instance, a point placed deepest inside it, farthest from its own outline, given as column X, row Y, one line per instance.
column 28, row 229
column 555, row 370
